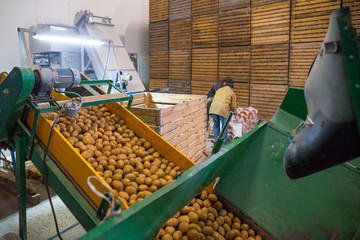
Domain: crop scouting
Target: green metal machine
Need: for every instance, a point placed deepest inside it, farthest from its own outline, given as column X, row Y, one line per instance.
column 324, row 205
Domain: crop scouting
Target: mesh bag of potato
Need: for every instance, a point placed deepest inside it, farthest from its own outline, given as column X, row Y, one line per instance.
column 128, row 163
column 204, row 218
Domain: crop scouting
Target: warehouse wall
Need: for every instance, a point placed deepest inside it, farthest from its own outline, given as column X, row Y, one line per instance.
column 266, row 46
column 130, row 17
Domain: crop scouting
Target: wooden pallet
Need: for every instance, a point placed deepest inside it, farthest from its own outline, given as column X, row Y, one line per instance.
column 270, row 23
column 204, row 7
column 355, row 12
column 178, row 118
column 159, row 36
column 310, row 19
column 234, row 62
column 158, row 83
column 158, row 10
column 234, row 28
column 180, row 86
column 266, row 99
column 269, row 64
column 302, row 56
column 204, row 31
column 227, row 5
column 204, row 70
column 180, row 34
column 180, row 64
column 179, row 9
column 159, row 64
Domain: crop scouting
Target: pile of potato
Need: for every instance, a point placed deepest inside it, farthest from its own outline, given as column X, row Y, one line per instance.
column 205, row 219
column 128, row 163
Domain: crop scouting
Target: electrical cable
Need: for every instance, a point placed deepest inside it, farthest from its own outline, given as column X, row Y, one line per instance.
column 74, row 93
column 45, row 174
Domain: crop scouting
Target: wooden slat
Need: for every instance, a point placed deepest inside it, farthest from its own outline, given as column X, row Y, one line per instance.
column 202, row 7
column 354, row 6
column 270, row 23
column 159, row 64
column 204, row 31
column 310, row 19
column 179, row 9
column 266, row 99
column 242, row 91
column 234, row 62
column 180, row 34
column 204, row 70
column 269, row 64
column 263, row 2
column 226, row 5
column 158, row 83
column 234, row 28
column 180, row 64
column 158, row 10
column 159, row 36
column 180, row 86
column 302, row 56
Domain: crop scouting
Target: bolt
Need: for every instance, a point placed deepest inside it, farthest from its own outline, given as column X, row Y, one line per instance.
column 5, row 92
column 351, row 56
column 357, row 85
column 346, row 28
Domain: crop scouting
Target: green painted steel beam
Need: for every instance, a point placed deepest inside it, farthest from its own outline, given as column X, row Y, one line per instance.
column 14, row 92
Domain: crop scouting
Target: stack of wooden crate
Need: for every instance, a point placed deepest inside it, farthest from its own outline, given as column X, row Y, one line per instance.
column 159, row 44
column 180, row 46
column 204, row 45
column 266, row 46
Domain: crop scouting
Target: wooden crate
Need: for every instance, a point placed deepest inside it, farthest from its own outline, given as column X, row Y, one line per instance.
column 178, row 118
column 266, row 99
column 204, row 7
column 180, row 86
column 159, row 36
column 226, row 5
column 204, row 70
column 179, row 9
column 204, row 31
column 158, row 83
column 310, row 19
column 234, row 63
column 180, row 64
column 270, row 23
column 302, row 56
column 158, row 10
column 269, row 64
column 354, row 6
column 242, row 91
column 180, row 34
column 159, row 64
column 234, row 28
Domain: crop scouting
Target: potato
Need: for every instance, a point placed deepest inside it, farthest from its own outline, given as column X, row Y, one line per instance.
column 177, row 235
column 118, row 185
column 221, row 230
column 194, row 218
column 236, row 225
column 251, row 232
column 124, row 195
column 244, row 234
column 244, row 227
column 212, row 197
column 195, row 226
column 173, row 222
column 108, row 174
column 153, row 188
column 217, row 205
column 130, row 190
column 184, row 218
column 228, row 220
column 167, row 236
column 193, row 234
column 226, row 227
column 185, row 210
column 131, row 176
column 220, row 220
column 170, row 230
column 258, row 237
column 143, row 187
column 184, row 226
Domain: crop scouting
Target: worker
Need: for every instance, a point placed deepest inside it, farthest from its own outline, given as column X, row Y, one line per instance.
column 224, row 101
column 211, row 95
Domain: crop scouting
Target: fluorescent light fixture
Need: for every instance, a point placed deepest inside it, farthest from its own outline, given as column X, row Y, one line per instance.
column 68, row 39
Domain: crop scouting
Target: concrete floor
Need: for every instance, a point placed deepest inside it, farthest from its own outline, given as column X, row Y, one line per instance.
column 40, row 222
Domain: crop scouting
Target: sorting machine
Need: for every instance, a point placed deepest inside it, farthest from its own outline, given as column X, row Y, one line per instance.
column 315, row 130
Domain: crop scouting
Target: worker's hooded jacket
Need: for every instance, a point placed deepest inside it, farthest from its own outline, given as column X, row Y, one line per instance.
column 224, row 101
